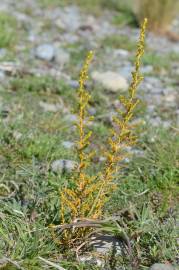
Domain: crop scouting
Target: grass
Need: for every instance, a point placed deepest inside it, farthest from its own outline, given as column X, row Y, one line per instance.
column 159, row 61
column 28, row 209
column 8, row 27
column 124, row 18
column 27, row 184
column 119, row 42
column 156, row 60
column 147, row 195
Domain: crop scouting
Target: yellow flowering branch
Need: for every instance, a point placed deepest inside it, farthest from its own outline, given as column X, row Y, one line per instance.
column 87, row 197
column 122, row 134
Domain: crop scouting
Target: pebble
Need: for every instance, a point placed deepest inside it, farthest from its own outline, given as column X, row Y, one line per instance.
column 126, row 70
column 161, row 266
column 3, row 52
column 153, row 85
column 110, row 80
column 71, row 118
column 9, row 68
column 89, row 259
column 146, row 69
column 63, row 165
column 91, row 110
column 67, row 144
column 121, row 52
column 170, row 98
column 48, row 107
column 17, row 135
column 69, row 19
column 45, row 52
column 62, row 56
column 2, row 75
column 74, row 84
column 157, row 122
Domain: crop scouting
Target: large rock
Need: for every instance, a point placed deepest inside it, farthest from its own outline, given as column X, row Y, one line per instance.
column 110, row 80
column 161, row 266
column 105, row 243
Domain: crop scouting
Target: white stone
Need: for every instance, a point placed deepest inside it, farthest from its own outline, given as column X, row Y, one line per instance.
column 67, row 144
column 17, row 135
column 62, row 56
column 161, row 266
column 63, row 165
column 47, row 107
column 45, row 52
column 110, row 80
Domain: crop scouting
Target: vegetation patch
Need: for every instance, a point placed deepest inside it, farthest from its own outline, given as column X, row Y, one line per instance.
column 8, row 27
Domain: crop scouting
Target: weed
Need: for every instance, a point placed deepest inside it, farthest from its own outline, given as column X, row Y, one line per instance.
column 86, row 195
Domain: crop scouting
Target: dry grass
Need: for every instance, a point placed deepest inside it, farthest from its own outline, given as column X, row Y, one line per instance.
column 160, row 13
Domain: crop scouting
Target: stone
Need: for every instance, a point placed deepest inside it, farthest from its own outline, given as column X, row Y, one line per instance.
column 89, row 259
column 9, row 68
column 102, row 159
column 138, row 153
column 121, row 52
column 161, row 266
column 48, row 107
column 74, row 84
column 153, row 85
column 67, row 144
column 2, row 75
column 62, row 56
column 170, row 98
column 92, row 111
column 45, row 52
column 147, row 69
column 3, row 52
column 71, row 118
column 17, row 135
column 70, row 38
column 105, row 243
column 151, row 109
column 126, row 70
column 63, row 165
column 69, row 19
column 110, row 80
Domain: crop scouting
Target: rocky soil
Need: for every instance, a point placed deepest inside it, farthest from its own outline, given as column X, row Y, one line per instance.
column 50, row 38
column 51, row 41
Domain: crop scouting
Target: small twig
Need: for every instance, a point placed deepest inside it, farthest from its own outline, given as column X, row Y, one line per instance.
column 142, row 193
column 135, row 195
column 76, row 225
column 175, row 128
column 79, row 247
